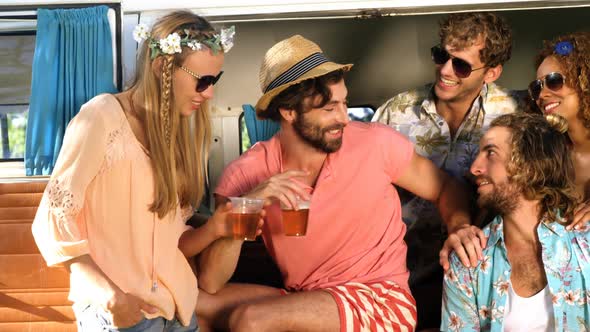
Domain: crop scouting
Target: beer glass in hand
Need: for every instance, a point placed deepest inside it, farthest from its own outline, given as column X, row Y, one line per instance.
column 244, row 217
column 295, row 220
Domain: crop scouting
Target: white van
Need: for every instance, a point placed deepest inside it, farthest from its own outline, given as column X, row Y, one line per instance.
column 388, row 41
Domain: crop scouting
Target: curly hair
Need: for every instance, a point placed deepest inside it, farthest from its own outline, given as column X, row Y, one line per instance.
column 299, row 97
column 462, row 30
column 575, row 66
column 540, row 163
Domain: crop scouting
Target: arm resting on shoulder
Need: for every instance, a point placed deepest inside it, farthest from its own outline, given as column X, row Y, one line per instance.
column 426, row 180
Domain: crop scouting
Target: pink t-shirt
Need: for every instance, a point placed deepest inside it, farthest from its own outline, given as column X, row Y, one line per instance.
column 355, row 232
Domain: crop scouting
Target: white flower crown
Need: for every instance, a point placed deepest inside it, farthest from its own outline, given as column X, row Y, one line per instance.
column 172, row 44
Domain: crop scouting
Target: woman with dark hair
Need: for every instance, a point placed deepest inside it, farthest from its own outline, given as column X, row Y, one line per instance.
column 562, row 88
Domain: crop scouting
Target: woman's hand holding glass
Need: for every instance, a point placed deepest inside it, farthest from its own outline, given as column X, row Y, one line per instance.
column 220, row 224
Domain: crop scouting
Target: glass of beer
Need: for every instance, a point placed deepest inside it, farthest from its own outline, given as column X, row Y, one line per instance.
column 295, row 220
column 244, row 217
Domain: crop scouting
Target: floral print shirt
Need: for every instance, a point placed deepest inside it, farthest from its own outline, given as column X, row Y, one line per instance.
column 413, row 114
column 474, row 298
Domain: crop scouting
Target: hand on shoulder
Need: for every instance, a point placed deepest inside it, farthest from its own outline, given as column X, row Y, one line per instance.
column 467, row 241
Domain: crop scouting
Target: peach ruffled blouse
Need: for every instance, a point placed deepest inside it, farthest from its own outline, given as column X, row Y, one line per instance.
column 97, row 203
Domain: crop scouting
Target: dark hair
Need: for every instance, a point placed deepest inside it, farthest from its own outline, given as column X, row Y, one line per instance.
column 465, row 29
column 575, row 65
column 540, row 162
column 301, row 97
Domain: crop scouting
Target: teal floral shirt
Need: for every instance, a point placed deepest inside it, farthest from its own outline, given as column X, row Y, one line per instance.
column 474, row 298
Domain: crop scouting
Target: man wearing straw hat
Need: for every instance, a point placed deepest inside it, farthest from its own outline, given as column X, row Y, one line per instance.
column 348, row 272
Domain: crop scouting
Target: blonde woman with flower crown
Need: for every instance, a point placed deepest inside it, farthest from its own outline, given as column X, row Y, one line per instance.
column 129, row 174
column 561, row 91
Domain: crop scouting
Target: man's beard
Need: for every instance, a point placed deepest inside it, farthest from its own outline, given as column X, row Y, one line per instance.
column 314, row 134
column 502, row 200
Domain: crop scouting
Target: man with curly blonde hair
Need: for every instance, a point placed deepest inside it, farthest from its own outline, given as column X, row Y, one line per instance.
column 445, row 120
column 535, row 275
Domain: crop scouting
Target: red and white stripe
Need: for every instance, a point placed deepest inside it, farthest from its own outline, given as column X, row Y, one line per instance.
column 377, row 307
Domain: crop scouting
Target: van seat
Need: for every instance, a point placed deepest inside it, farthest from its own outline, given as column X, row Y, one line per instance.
column 33, row 297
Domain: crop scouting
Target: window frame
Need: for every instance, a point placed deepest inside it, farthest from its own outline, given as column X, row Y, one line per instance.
column 240, row 132
column 29, row 12
column 3, row 132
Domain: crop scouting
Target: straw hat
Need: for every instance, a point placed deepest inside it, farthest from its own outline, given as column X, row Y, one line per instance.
column 289, row 62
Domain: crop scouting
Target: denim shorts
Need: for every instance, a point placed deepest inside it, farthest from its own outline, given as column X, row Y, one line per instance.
column 93, row 318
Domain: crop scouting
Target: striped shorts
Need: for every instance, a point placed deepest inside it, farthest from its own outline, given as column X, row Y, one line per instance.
column 377, row 307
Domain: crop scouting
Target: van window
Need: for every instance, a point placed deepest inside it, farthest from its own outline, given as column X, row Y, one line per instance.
column 362, row 113
column 244, row 138
column 16, row 61
column 18, row 24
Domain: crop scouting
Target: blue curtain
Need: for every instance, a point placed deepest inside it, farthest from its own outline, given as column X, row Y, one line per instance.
column 73, row 62
column 258, row 130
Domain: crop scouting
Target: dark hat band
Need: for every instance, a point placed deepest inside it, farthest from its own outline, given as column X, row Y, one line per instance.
column 297, row 70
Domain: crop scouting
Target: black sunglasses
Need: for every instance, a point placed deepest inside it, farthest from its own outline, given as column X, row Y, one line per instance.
column 462, row 68
column 203, row 82
column 553, row 81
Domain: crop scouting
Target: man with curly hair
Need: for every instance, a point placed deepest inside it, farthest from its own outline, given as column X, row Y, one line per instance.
column 535, row 275
column 445, row 121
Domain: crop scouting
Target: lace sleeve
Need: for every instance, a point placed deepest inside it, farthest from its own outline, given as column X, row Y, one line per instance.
column 59, row 227
column 61, row 201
